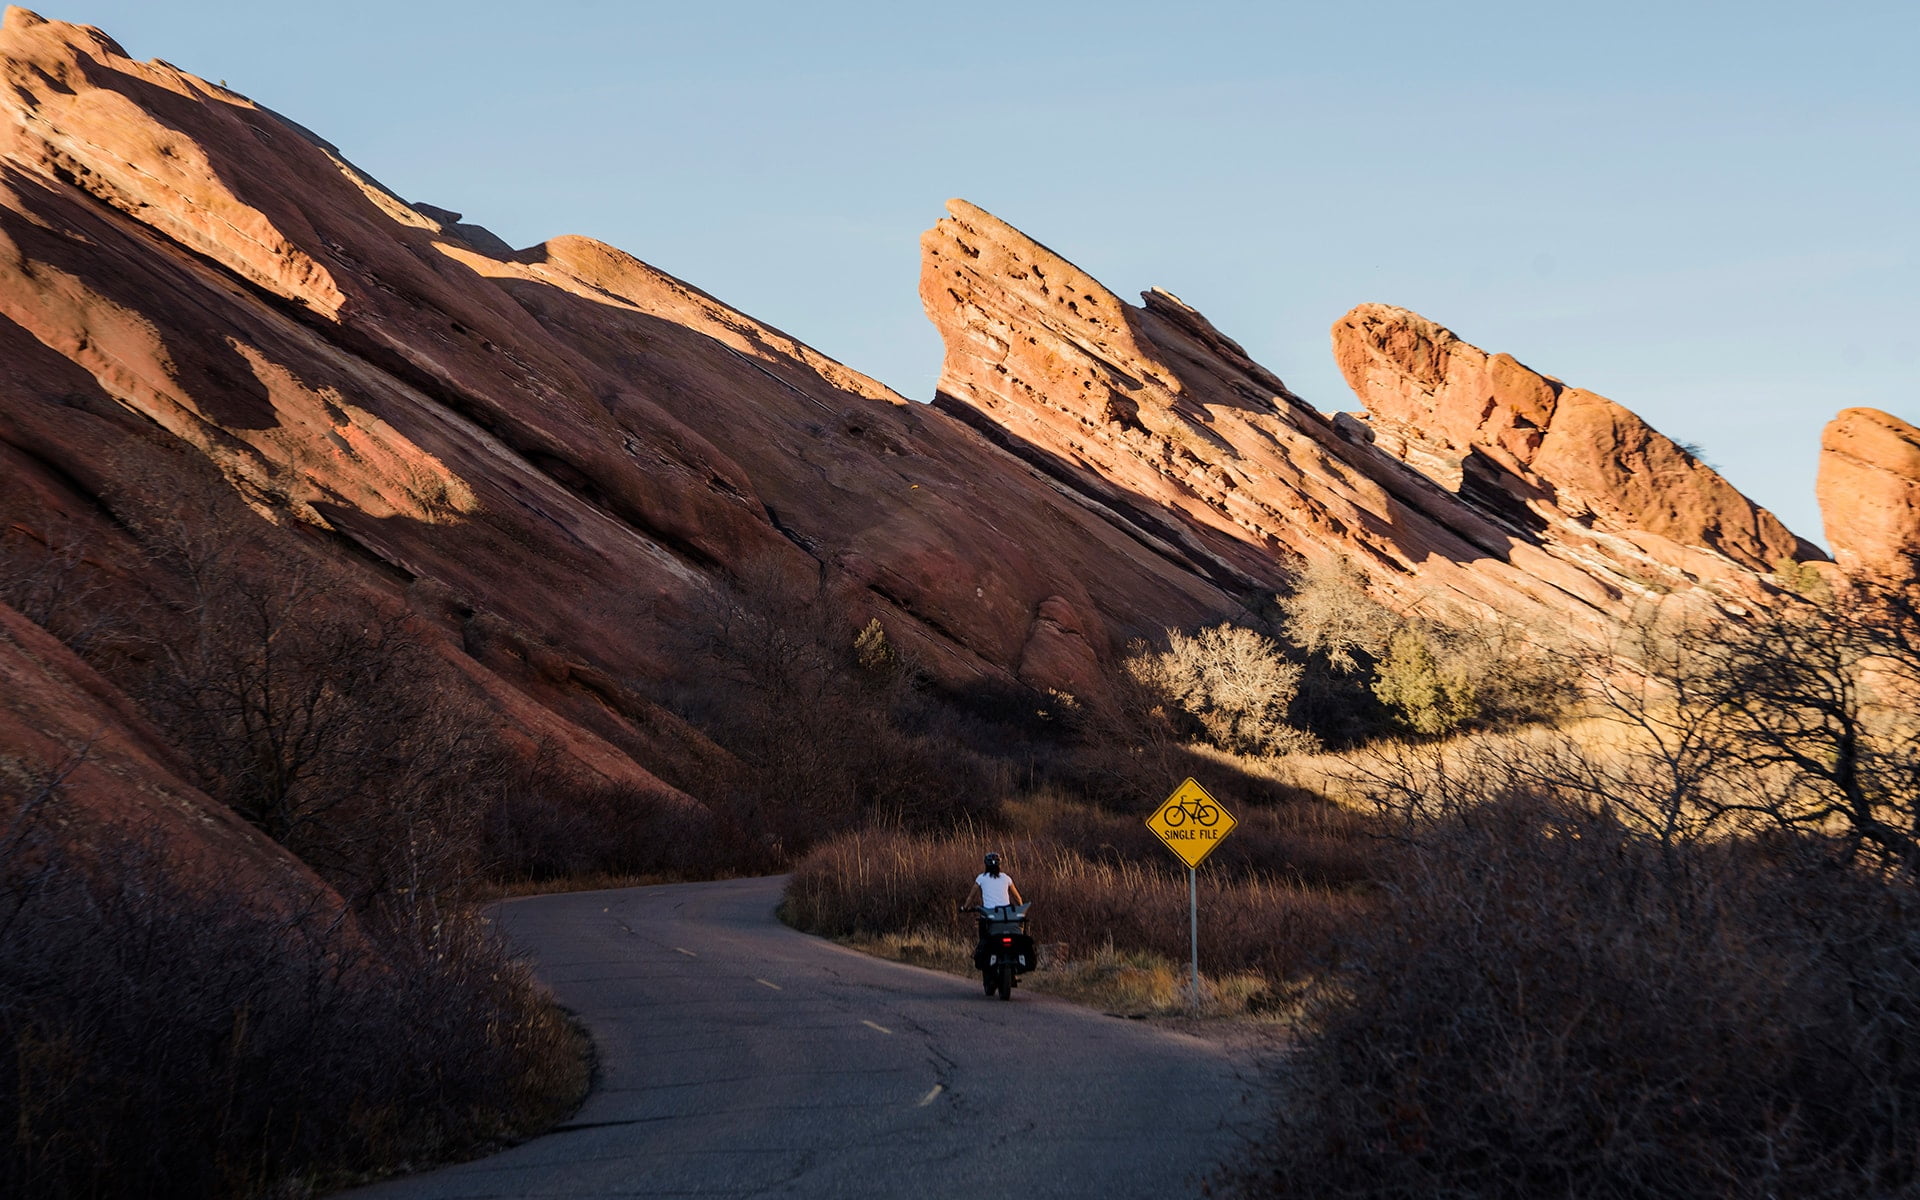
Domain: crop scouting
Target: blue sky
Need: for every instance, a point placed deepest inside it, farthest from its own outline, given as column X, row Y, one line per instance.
column 1706, row 211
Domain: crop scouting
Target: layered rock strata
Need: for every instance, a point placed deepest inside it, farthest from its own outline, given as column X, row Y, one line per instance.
column 558, row 457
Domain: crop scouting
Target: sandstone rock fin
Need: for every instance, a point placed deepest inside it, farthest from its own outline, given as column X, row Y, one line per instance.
column 1869, row 490
column 1531, row 450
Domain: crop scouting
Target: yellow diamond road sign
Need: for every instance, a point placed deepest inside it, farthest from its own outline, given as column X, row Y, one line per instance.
column 1191, row 823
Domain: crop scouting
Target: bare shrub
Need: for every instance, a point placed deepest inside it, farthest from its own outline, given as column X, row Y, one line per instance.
column 47, row 575
column 830, row 720
column 329, row 724
column 161, row 1038
column 168, row 1038
column 1329, row 613
column 1554, row 1004
column 1828, row 697
column 1527, row 675
column 1802, row 719
column 1230, row 683
column 547, row 825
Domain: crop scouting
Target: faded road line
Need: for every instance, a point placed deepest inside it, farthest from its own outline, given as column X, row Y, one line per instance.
column 930, row 1096
column 881, row 1028
column 768, row 983
column 688, row 953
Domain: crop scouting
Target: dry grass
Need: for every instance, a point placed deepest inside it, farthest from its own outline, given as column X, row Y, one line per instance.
column 590, row 881
column 1123, row 983
column 878, row 883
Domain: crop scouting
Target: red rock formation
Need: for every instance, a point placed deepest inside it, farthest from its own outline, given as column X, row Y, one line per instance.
column 558, row 456
column 1577, row 463
column 1869, row 492
column 524, row 446
column 1534, row 500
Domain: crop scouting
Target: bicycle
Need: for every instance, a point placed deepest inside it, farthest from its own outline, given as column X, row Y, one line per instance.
column 1201, row 812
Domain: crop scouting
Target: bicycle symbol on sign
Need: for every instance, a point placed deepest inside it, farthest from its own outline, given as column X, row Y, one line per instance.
column 1201, row 812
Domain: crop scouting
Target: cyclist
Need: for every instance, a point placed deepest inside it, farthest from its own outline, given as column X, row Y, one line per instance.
column 993, row 887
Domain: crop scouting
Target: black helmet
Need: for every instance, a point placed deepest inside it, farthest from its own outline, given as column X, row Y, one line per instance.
column 993, row 864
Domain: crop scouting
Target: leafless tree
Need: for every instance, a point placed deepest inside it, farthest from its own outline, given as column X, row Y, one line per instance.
column 1329, row 612
column 1827, row 698
column 48, row 576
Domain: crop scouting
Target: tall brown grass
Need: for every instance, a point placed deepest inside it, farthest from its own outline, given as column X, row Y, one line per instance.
column 891, row 882
column 1305, row 842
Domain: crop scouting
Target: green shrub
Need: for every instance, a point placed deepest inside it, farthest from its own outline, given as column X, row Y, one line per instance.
column 1428, row 694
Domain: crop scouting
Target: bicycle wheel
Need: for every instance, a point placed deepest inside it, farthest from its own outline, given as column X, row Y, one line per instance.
column 1174, row 816
column 1206, row 814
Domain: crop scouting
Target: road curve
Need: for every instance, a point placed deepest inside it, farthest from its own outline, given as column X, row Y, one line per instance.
column 740, row 1058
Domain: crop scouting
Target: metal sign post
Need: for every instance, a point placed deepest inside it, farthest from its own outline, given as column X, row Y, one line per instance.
column 1192, row 823
column 1193, row 929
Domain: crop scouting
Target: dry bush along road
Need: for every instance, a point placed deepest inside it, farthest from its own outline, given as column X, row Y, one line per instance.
column 741, row 1058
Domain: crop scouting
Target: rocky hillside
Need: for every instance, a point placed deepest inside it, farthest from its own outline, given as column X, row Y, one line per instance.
column 553, row 460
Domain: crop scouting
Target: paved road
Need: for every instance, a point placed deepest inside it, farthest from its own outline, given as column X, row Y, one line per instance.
column 739, row 1058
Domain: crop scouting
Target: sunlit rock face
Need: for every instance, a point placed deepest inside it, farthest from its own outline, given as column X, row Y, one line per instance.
column 1472, row 482
column 1870, row 494
column 1574, row 464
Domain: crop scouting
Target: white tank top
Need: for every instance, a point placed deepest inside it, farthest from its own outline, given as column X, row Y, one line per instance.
column 995, row 890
